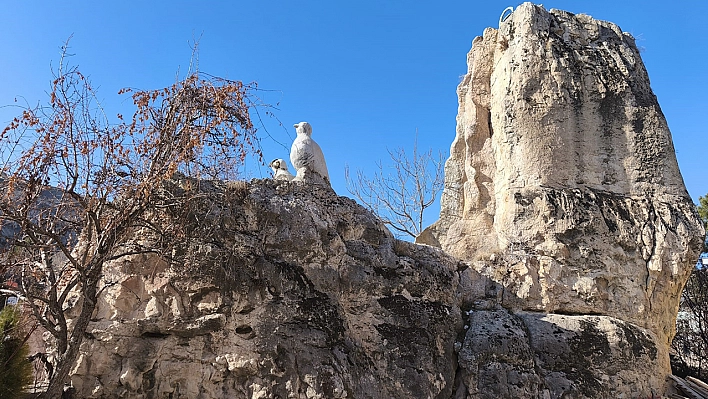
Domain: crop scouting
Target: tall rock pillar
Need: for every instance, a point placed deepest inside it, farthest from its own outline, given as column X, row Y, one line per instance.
column 562, row 182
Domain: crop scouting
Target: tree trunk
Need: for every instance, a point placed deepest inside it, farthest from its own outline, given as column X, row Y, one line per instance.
column 68, row 358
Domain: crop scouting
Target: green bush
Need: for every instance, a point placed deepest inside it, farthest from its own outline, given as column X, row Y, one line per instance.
column 15, row 368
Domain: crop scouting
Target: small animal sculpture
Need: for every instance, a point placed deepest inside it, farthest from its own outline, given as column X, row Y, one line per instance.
column 280, row 170
column 306, row 155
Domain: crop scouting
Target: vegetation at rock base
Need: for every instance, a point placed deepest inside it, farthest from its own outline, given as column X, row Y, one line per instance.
column 15, row 368
column 690, row 345
column 703, row 213
column 68, row 171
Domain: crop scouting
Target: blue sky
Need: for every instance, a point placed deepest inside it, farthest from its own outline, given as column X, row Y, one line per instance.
column 365, row 74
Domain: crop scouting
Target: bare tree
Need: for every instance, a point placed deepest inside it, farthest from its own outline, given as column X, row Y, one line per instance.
column 69, row 176
column 690, row 344
column 401, row 192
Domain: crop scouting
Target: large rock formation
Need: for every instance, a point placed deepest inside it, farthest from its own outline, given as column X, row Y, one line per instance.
column 565, row 212
column 564, row 170
column 288, row 291
column 284, row 290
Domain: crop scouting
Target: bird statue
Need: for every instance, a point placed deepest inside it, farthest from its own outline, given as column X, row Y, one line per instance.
column 280, row 170
column 306, row 155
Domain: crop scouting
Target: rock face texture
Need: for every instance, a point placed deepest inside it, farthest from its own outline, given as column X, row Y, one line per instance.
column 286, row 290
column 566, row 236
column 563, row 173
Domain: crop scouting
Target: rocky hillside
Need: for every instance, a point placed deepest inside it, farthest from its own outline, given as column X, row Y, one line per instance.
column 565, row 237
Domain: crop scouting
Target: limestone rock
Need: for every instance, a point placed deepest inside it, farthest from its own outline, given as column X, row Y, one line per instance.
column 563, row 199
column 563, row 173
column 534, row 355
column 298, row 294
column 287, row 290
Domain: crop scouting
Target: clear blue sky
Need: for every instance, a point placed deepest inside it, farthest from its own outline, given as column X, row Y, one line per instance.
column 366, row 74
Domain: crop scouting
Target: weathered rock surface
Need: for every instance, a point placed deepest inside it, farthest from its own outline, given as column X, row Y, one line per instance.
column 296, row 293
column 289, row 291
column 563, row 199
column 563, row 173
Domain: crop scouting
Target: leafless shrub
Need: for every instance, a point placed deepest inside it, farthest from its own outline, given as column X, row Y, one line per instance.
column 399, row 194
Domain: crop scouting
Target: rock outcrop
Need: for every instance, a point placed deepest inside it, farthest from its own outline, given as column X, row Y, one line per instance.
column 285, row 290
column 563, row 173
column 566, row 237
